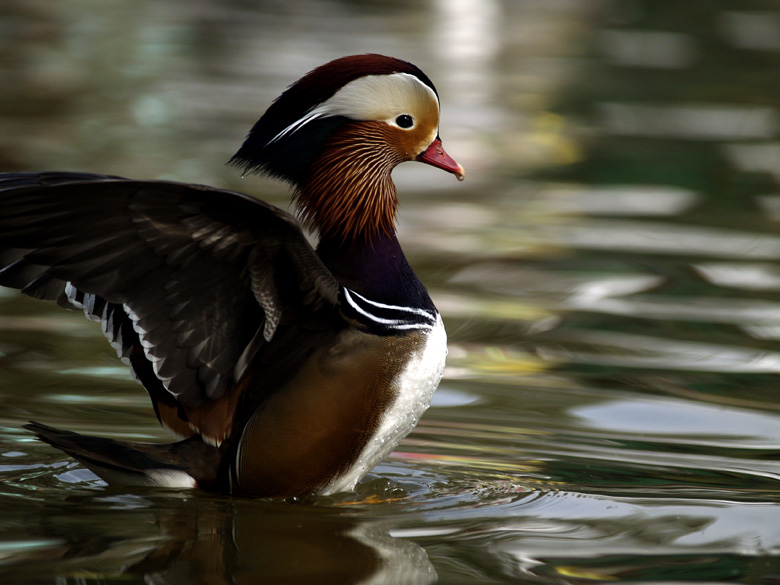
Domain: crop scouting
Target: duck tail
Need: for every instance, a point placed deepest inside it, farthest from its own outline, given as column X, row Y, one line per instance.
column 187, row 464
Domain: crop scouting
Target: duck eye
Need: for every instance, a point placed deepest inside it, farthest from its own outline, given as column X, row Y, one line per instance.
column 404, row 121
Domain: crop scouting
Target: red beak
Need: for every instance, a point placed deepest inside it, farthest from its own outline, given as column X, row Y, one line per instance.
column 435, row 156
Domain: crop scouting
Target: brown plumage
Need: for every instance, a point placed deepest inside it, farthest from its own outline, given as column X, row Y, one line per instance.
column 349, row 193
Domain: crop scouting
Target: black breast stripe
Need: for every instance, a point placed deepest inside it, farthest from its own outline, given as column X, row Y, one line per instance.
column 382, row 318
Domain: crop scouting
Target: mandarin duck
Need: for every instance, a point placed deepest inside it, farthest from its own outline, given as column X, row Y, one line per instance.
column 282, row 369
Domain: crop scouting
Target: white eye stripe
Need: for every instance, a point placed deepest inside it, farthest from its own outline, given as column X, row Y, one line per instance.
column 312, row 114
column 372, row 97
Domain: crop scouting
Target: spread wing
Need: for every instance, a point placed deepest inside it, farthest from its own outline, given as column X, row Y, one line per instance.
column 189, row 282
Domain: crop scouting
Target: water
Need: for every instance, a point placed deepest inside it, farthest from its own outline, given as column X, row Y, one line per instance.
column 607, row 273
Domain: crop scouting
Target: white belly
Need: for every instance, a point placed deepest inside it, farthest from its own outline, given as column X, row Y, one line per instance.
column 414, row 391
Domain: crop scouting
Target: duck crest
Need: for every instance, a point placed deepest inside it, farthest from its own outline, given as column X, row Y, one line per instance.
column 277, row 147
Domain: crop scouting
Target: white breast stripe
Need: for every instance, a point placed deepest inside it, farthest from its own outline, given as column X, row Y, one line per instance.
column 391, row 323
column 414, row 310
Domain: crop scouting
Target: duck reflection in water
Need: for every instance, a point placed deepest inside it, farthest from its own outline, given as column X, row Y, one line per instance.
column 204, row 540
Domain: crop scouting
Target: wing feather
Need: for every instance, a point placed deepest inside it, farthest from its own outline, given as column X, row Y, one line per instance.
column 188, row 281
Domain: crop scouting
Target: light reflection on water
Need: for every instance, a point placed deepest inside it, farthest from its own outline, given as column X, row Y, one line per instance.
column 607, row 274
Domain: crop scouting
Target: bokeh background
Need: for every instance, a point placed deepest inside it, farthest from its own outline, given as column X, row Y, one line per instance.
column 608, row 275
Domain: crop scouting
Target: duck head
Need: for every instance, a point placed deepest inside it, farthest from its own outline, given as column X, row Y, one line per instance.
column 336, row 135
